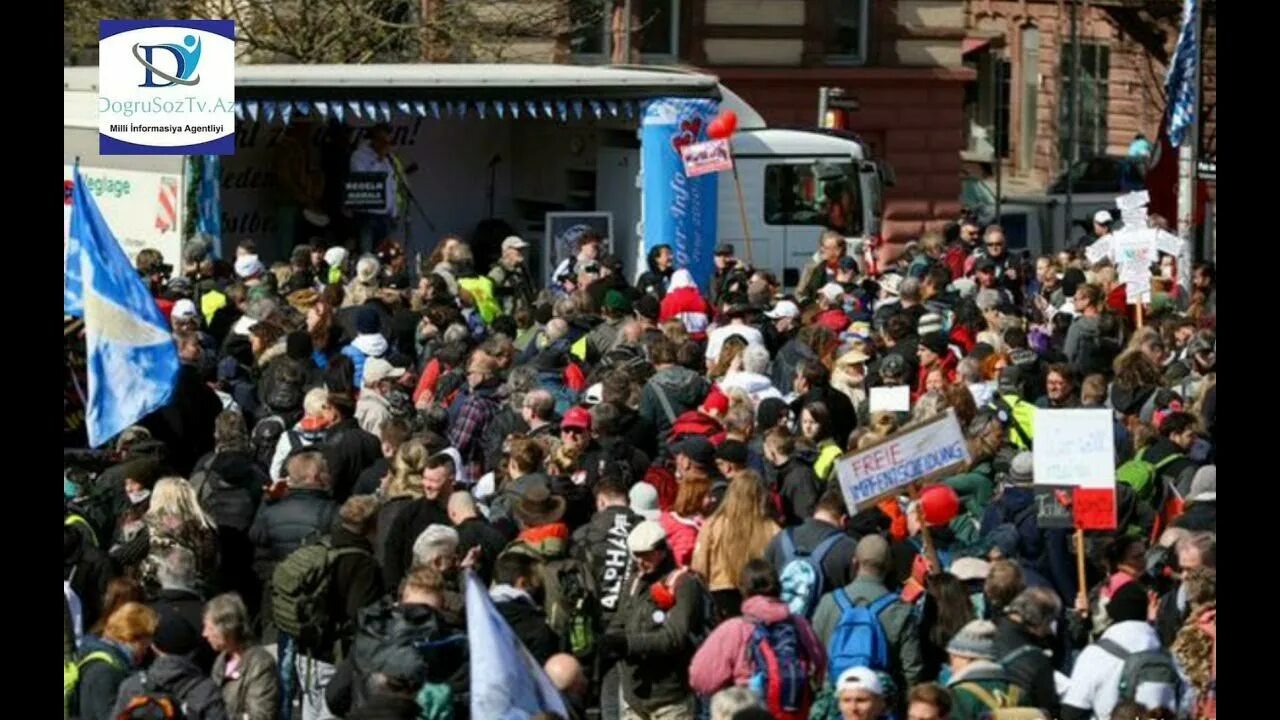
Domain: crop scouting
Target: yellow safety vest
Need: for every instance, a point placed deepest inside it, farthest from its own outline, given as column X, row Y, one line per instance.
column 481, row 290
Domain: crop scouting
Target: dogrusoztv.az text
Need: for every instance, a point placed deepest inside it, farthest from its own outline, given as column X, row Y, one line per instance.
column 128, row 108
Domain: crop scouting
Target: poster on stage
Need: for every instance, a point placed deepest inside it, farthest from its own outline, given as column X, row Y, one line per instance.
column 931, row 449
column 365, row 191
column 564, row 233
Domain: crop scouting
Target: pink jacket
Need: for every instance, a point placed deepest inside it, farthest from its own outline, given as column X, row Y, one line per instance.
column 725, row 658
column 682, row 535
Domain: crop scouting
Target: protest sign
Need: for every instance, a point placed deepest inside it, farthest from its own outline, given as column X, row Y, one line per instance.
column 1135, row 251
column 1167, row 242
column 1074, row 447
column 1137, row 291
column 1053, row 507
column 891, row 399
column 1133, row 200
column 930, row 449
column 365, row 191
column 1100, row 250
column 1094, row 508
column 707, row 157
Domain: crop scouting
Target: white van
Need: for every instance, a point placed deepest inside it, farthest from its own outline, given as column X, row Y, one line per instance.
column 476, row 163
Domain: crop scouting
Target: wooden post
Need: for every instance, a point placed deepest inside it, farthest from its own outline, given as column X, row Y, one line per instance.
column 1139, row 311
column 742, row 205
column 1083, row 591
column 930, row 552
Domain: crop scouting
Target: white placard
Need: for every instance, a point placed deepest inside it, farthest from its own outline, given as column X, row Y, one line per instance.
column 1134, row 251
column 143, row 209
column 1167, row 242
column 1075, row 447
column 1099, row 250
column 1135, row 219
column 1133, row 200
column 891, row 399
column 1137, row 290
column 933, row 448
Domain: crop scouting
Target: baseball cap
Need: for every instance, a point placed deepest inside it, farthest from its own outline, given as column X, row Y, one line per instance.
column 646, row 536
column 376, row 370
column 249, row 266
column 848, row 263
column 784, row 309
column 594, row 394
column 184, row 309
column 860, row 677
column 514, row 243
column 890, row 283
column 832, row 292
column 697, row 448
column 577, row 418
column 734, row 451
column 1103, row 217
column 724, row 249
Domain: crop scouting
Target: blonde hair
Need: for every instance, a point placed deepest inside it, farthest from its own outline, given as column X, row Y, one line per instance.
column 174, row 497
column 406, row 470
column 675, row 331
column 742, row 526
column 314, row 401
column 131, row 623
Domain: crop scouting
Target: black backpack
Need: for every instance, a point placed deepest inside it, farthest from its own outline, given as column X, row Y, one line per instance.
column 152, row 703
column 387, row 634
column 229, row 505
column 266, row 433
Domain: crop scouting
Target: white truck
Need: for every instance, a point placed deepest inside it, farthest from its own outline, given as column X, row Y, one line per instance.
column 554, row 155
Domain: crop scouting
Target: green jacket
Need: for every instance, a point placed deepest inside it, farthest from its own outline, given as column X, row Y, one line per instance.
column 980, row 688
column 975, row 488
column 899, row 628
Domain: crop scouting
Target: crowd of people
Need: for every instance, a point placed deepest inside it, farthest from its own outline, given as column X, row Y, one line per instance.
column 644, row 476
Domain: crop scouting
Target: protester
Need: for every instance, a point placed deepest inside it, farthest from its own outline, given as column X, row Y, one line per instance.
column 737, row 531
column 104, row 662
column 245, row 672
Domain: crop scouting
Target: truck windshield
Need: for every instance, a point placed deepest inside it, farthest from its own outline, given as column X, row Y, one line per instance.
column 816, row 193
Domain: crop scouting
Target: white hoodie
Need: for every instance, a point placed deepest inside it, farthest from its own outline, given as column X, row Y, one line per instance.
column 1095, row 679
column 757, row 386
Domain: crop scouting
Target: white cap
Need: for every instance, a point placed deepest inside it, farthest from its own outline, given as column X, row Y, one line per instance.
column 891, row 283
column 376, row 370
column 184, row 309
column 248, row 266
column 594, row 394
column 860, row 677
column 784, row 309
column 335, row 256
column 832, row 292
column 643, row 499
column 1103, row 217
column 514, row 243
column 646, row 536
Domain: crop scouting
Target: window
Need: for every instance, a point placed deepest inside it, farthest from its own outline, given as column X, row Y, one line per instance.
column 1091, row 117
column 655, row 28
column 845, row 31
column 1030, row 91
column 826, row 194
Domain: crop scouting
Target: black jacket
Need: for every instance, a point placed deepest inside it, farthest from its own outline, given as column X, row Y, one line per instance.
column 638, row 432
column 476, row 532
column 349, row 451
column 785, row 362
column 283, row 525
column 188, row 606
column 1031, row 670
column 797, row 485
column 241, row 471
column 384, row 706
column 837, row 567
column 370, row 479
column 1178, row 471
column 100, row 680
column 529, row 623
column 405, row 529
column 608, row 450
column 356, row 583
column 505, row 422
column 89, row 570
column 602, row 545
column 185, row 425
column 187, row 683
column 1200, row 516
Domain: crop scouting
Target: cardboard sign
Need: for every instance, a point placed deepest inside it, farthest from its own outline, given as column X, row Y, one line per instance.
column 1167, row 242
column 1137, row 290
column 1135, row 251
column 1135, row 219
column 1053, row 508
column 891, row 399
column 1133, row 200
column 708, row 157
column 1100, row 250
column 1094, row 508
column 365, row 191
column 1075, row 447
column 931, row 449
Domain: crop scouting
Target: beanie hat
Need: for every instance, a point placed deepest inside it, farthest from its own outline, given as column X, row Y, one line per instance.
column 771, row 410
column 616, row 301
column 1022, row 469
column 929, row 323
column 1128, row 603
column 734, row 451
column 367, row 322
column 648, row 307
column 977, row 639
column 298, row 345
column 174, row 635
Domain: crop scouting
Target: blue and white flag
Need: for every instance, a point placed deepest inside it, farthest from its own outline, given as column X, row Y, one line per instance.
column 132, row 360
column 506, row 682
column 1180, row 85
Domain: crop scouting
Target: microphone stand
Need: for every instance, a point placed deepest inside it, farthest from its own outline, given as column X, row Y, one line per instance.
column 403, row 179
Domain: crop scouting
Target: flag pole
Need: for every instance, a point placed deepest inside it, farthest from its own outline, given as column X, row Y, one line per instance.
column 1187, row 164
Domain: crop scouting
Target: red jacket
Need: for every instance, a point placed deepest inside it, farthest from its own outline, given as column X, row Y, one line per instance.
column 948, row 363
column 834, row 320
column 694, row 422
column 687, row 305
column 964, row 338
column 954, row 259
column 682, row 535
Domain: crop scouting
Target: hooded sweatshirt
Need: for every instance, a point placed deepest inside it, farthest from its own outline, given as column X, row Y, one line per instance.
column 602, row 544
column 758, row 387
column 362, row 348
column 724, row 659
column 683, row 390
column 684, row 302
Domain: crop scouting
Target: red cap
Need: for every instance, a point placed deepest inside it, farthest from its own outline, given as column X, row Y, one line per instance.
column 716, row 403
column 578, row 418
column 940, row 504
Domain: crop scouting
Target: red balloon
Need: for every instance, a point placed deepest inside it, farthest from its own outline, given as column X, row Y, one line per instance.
column 939, row 504
column 723, row 126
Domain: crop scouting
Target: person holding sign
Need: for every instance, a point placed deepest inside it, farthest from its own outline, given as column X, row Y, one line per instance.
column 374, row 156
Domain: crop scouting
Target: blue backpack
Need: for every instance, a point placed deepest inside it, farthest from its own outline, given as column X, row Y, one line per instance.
column 801, row 577
column 859, row 639
column 781, row 678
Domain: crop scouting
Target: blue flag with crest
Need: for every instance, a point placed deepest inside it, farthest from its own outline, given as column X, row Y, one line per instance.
column 132, row 362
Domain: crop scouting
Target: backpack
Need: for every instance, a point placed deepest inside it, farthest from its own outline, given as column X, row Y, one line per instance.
column 859, row 638
column 1142, row 475
column 781, row 678
column 300, row 590
column 71, row 678
column 994, row 701
column 385, row 631
column 1148, row 666
column 264, row 437
column 802, row 577
column 229, row 505
column 152, row 704
column 616, row 461
column 573, row 605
